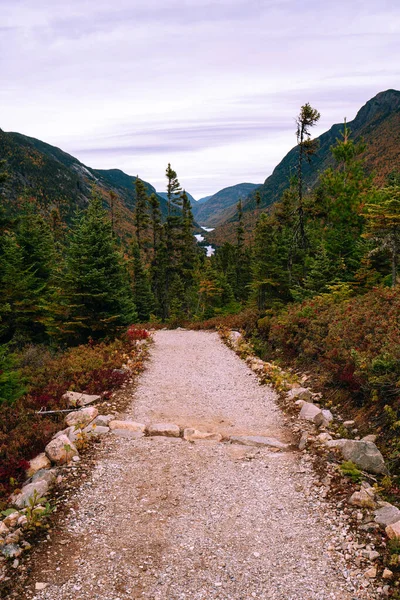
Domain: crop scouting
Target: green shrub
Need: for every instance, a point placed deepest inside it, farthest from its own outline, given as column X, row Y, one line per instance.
column 349, row 469
column 11, row 382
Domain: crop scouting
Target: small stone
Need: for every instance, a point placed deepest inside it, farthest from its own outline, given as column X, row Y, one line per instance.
column 81, row 417
column 371, row 573
column 3, row 528
column 373, row 555
column 22, row 521
column 38, row 463
column 96, row 430
column 191, row 435
column 393, row 530
column 11, row 520
column 164, row 429
column 129, row 425
column 363, row 499
column 348, row 424
column 14, row 537
column 11, row 551
column 324, row 437
column 369, row 438
column 387, row 574
column 303, row 441
column 103, row 420
column 76, row 459
column 40, row 586
column 300, row 393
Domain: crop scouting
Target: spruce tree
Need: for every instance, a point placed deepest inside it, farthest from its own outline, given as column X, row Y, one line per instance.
column 155, row 221
column 97, row 282
column 142, row 294
column 173, row 188
column 306, row 119
column 382, row 214
column 141, row 217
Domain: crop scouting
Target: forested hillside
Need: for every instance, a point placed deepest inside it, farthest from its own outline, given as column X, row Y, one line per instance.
column 377, row 123
column 61, row 184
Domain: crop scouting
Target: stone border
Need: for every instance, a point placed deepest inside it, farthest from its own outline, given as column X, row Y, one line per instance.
column 314, row 427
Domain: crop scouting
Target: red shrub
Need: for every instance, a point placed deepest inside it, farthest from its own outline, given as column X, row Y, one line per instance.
column 134, row 334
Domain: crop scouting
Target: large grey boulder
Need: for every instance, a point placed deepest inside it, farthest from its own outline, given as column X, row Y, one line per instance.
column 61, row 450
column 364, row 455
column 387, row 515
column 28, row 492
column 309, row 412
column 81, row 417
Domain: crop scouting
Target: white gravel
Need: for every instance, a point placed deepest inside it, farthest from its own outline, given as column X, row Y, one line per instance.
column 165, row 519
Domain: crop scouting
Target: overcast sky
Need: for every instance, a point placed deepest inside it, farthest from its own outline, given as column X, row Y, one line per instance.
column 212, row 87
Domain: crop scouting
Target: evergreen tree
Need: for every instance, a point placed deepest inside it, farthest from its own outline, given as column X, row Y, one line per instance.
column 188, row 245
column 27, row 279
column 383, row 224
column 343, row 191
column 155, row 221
column 141, row 217
column 173, row 188
column 99, row 294
column 142, row 294
column 306, row 119
column 243, row 271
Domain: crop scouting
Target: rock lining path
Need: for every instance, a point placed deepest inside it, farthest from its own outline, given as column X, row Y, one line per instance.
column 161, row 518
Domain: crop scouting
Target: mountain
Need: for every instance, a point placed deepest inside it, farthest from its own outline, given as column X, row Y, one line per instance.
column 377, row 122
column 202, row 200
column 190, row 197
column 208, row 211
column 57, row 179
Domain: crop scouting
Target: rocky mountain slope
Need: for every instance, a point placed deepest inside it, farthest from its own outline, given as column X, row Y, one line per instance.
column 208, row 211
column 57, row 179
column 377, row 122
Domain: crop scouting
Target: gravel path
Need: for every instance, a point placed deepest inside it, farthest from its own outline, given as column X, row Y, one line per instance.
column 165, row 519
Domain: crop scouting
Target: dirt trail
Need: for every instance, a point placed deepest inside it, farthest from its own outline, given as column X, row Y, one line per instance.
column 161, row 518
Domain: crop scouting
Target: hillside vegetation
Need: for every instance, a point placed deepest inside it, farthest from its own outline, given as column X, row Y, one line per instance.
column 377, row 123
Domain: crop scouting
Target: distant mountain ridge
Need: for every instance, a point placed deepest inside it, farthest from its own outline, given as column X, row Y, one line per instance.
column 208, row 211
column 377, row 122
column 56, row 178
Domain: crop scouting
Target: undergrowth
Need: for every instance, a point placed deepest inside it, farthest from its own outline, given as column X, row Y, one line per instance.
column 93, row 368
